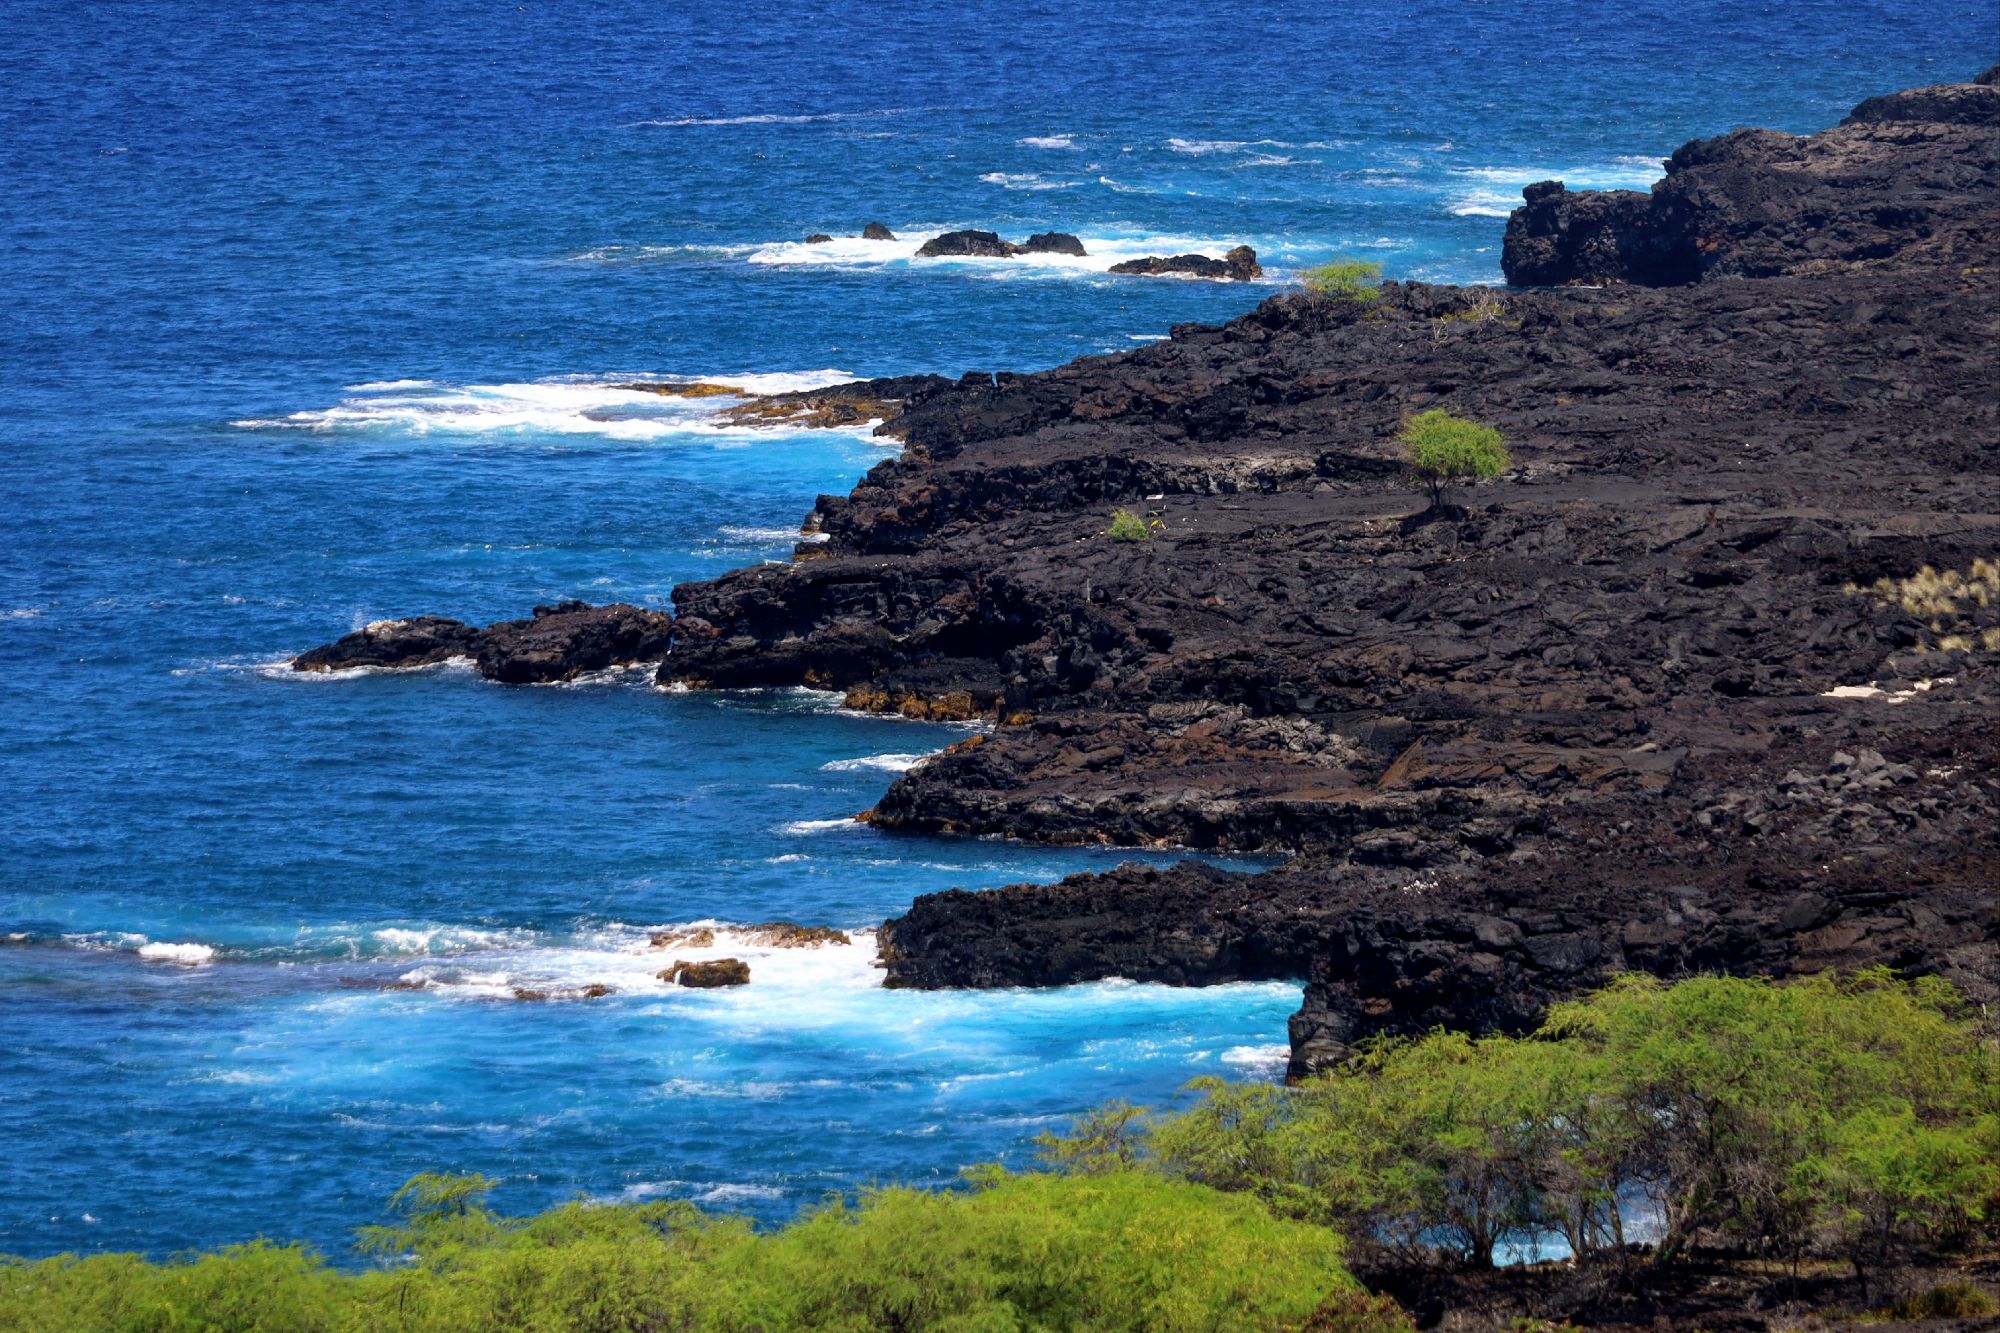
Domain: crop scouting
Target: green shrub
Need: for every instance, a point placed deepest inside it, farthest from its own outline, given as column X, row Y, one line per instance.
column 1127, row 526
column 1443, row 448
column 1116, row 1251
column 1113, row 1251
column 1345, row 280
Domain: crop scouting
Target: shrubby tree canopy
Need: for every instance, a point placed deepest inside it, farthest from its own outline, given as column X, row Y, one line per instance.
column 1854, row 1117
column 1444, row 448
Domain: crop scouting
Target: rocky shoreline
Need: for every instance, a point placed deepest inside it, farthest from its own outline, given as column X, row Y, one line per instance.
column 1709, row 680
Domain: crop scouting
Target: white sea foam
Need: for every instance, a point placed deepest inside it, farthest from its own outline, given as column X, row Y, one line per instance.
column 192, row 955
column 1026, row 180
column 799, row 828
column 383, row 386
column 568, row 406
column 762, row 119
column 1264, row 1060
column 882, row 763
column 639, row 254
column 21, row 613
column 1047, row 141
column 394, row 941
column 737, row 1193
column 1202, row 147
column 761, row 536
column 621, row 956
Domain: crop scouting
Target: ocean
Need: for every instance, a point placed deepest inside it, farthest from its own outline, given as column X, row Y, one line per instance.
column 312, row 316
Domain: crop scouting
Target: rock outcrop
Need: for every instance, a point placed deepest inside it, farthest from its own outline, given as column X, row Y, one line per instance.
column 975, row 244
column 1238, row 265
column 1651, row 702
column 875, row 231
column 558, row 643
column 1051, row 243
column 1903, row 170
column 564, row 641
column 394, row 644
column 707, row 976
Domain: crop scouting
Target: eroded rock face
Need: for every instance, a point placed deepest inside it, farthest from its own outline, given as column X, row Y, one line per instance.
column 1593, row 721
column 707, row 976
column 1238, row 265
column 564, row 641
column 418, row 641
column 1901, row 170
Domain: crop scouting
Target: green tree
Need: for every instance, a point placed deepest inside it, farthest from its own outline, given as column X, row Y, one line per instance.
column 1444, row 448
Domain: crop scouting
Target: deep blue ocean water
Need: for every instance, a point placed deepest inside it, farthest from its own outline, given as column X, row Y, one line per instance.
column 306, row 313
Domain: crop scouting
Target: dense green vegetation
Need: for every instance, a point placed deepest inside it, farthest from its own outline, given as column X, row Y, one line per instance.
column 1856, row 1118
column 1344, row 280
column 1132, row 1251
column 1444, row 448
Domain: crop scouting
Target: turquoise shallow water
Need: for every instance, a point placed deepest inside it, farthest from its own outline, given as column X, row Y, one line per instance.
column 309, row 320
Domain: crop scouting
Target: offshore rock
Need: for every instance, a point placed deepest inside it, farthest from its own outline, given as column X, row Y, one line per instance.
column 1900, row 171
column 818, row 238
column 707, row 976
column 1051, row 243
column 1238, row 265
column 791, row 935
column 875, row 231
column 563, row 641
column 977, row 244
column 418, row 641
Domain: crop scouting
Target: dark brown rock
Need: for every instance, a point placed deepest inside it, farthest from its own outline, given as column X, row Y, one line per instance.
column 875, row 231
column 709, row 975
column 818, row 238
column 563, row 641
column 1901, row 171
column 1051, row 243
column 791, row 935
column 418, row 641
column 976, row 244
column 1239, row 265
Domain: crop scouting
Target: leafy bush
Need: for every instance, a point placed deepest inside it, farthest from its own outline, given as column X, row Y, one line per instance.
column 1117, row 1251
column 1344, row 280
column 1127, row 526
column 1854, row 1117
column 1444, row 447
